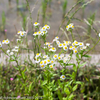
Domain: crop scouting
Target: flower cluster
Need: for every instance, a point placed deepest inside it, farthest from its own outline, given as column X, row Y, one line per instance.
column 42, row 31
column 44, row 60
column 5, row 41
column 13, row 51
column 61, row 58
column 70, row 26
column 21, row 33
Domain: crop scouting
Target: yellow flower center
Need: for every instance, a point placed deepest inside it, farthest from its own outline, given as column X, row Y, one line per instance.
column 35, row 32
column 64, row 44
column 52, row 61
column 45, row 62
column 63, row 76
column 41, row 62
column 60, row 44
column 35, row 22
column 76, row 42
column 37, row 54
column 45, row 25
column 73, row 43
column 70, row 46
column 48, row 60
column 42, row 65
column 66, row 26
column 75, row 51
column 3, row 41
column 22, row 33
column 80, row 43
column 55, row 56
column 65, row 47
column 39, row 32
column 51, row 66
column 59, row 57
column 53, row 48
column 48, row 27
column 72, row 26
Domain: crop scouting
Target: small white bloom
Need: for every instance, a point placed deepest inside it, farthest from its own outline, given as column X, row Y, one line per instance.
column 47, row 27
column 58, row 42
column 15, row 50
column 84, row 47
column 71, row 48
column 38, row 55
column 51, row 66
column 60, row 58
column 22, row 34
column 65, row 60
column 37, row 60
column 76, row 43
column 45, row 56
column 81, row 44
column 36, row 24
column 39, row 32
column 99, row 34
column 11, row 53
column 56, row 38
column 87, row 44
column 75, row 51
column 60, row 45
column 48, row 61
column 52, row 61
column 7, row 41
column 8, row 51
column 42, row 66
column 52, row 49
column 47, row 43
column 55, row 56
column 19, row 32
column 65, row 48
column 63, row 77
column 35, row 33
column 41, row 63
column 3, row 42
column 18, row 40
column 45, row 62
column 43, row 29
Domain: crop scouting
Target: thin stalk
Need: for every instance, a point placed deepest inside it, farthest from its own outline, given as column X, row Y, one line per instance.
column 67, row 15
column 72, row 35
column 92, row 47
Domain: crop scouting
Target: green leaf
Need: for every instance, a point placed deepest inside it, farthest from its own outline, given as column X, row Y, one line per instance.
column 30, row 87
column 71, row 97
column 78, row 82
column 67, row 91
column 44, row 82
column 75, row 87
column 75, row 68
column 87, row 56
column 16, row 68
column 80, row 65
column 23, row 75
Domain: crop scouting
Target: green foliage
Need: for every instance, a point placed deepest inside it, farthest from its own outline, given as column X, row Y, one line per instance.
column 50, row 77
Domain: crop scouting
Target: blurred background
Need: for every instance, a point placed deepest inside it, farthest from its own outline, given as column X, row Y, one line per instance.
column 15, row 16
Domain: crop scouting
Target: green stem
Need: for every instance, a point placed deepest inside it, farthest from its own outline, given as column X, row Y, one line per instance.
column 92, row 47
column 72, row 35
